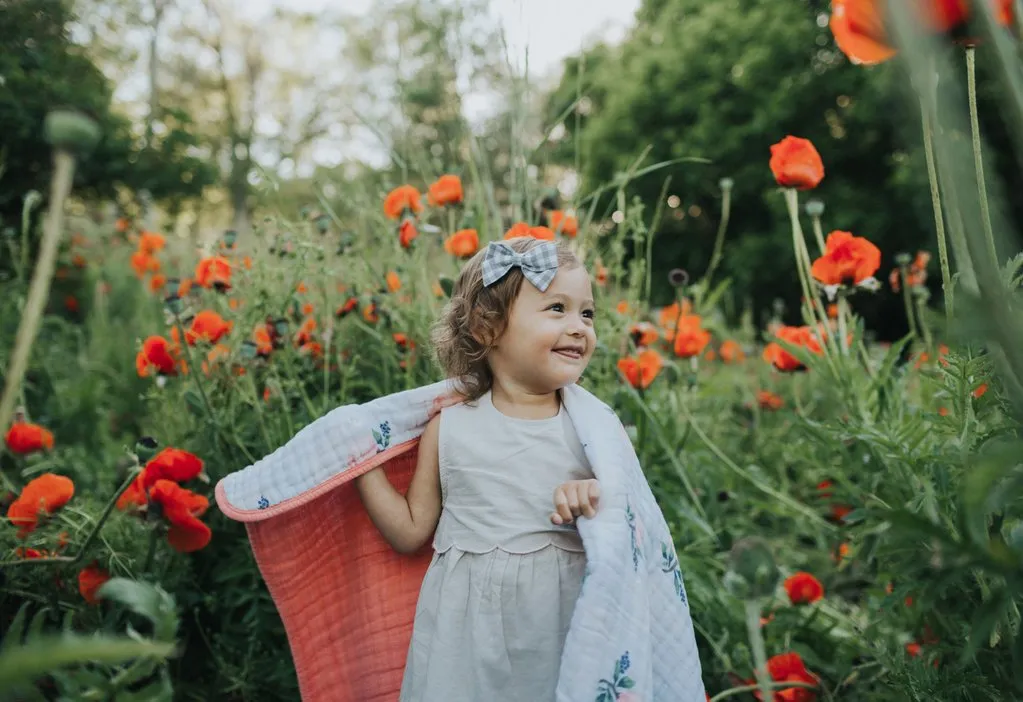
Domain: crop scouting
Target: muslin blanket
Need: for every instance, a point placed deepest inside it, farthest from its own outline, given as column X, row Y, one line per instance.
column 348, row 600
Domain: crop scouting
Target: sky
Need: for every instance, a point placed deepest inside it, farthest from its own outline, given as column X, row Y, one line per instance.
column 550, row 29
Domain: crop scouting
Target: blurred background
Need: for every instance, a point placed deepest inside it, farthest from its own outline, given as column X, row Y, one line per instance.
column 216, row 110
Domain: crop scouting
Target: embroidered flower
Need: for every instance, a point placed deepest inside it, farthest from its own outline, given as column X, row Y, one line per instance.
column 616, row 688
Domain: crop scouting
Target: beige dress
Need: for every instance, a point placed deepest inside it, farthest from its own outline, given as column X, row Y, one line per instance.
column 497, row 599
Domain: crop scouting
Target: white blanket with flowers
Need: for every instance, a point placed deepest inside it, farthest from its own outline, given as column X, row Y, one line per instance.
column 631, row 636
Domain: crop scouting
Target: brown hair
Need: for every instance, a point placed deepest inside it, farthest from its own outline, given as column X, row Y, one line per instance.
column 475, row 318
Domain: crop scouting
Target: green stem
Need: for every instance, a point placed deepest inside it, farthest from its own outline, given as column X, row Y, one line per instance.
column 907, row 302
column 719, row 241
column 39, row 289
column 756, row 640
column 732, row 691
column 978, row 158
column 818, row 233
column 154, row 536
column 195, row 370
column 939, row 220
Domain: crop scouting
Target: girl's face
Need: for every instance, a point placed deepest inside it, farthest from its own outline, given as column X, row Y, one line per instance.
column 549, row 338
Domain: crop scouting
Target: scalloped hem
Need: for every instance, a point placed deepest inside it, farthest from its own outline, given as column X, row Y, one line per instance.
column 515, row 552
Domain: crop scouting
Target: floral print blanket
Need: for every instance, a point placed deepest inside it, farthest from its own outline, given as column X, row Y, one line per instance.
column 347, row 600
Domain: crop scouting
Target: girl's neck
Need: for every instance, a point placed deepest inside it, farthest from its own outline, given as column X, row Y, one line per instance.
column 524, row 403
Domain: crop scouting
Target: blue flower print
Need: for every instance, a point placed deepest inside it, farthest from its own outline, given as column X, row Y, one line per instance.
column 630, row 516
column 669, row 564
column 383, row 436
column 609, row 690
column 263, row 502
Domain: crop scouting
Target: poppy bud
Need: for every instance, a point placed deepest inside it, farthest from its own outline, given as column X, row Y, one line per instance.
column 71, row 131
column 323, row 223
column 249, row 350
column 814, row 208
column 726, row 184
column 903, row 259
column 447, row 285
column 678, row 277
column 281, row 326
column 305, row 211
column 173, row 303
column 752, row 571
column 230, row 237
column 145, row 448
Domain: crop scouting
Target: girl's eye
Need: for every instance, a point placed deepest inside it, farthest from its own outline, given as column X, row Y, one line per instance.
column 557, row 307
column 589, row 314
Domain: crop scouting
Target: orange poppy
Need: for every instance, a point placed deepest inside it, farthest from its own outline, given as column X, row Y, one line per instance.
column 622, row 307
column 407, row 233
column 668, row 317
column 404, row 197
column 860, row 31
column 803, row 588
column 157, row 282
column 42, row 496
column 207, row 326
column 370, row 314
column 521, row 229
column 566, row 224
column 156, row 354
column 264, row 342
column 731, row 351
column 789, row 667
column 151, row 242
column 847, row 260
column 90, row 580
column 311, row 348
column 769, row 401
column 643, row 334
column 305, row 332
column 640, row 371
column 393, row 281
column 349, row 306
column 78, row 261
column 141, row 263
column 213, row 272
column 979, row 392
column 463, row 243
column 307, row 309
column 216, row 355
column 446, row 190
column 797, row 336
column 690, row 337
column 601, row 275
column 182, row 509
column 24, row 438
column 795, row 163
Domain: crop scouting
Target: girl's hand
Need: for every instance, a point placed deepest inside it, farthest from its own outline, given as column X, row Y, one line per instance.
column 575, row 498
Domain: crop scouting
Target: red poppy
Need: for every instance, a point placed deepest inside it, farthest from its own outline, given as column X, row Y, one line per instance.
column 731, row 351
column 182, row 509
column 349, row 306
column 404, row 197
column 847, row 260
column 789, row 667
column 42, row 496
column 143, row 263
column 157, row 282
column 521, row 229
column 213, row 272
column 641, row 370
column 23, row 438
column 370, row 314
column 407, row 232
column 668, row 317
column 980, row 390
column 393, row 281
column 644, row 334
column 795, row 163
column 690, row 337
column 151, row 242
column 797, row 336
column 263, row 339
column 767, row 400
column 71, row 304
column 463, row 243
column 156, row 354
column 601, row 274
column 803, row 588
column 171, row 464
column 207, row 326
column 446, row 190
column 90, row 580
column 305, row 332
column 861, row 34
column 566, row 224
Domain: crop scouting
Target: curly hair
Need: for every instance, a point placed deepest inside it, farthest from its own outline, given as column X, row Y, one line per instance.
column 475, row 317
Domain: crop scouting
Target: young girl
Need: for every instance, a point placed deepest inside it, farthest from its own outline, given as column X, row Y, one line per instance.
column 500, row 480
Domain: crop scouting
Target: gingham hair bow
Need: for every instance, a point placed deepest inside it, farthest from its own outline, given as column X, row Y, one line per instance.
column 539, row 264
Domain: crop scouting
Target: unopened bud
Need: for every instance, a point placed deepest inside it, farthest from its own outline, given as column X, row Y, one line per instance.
column 814, row 208
column 678, row 277
column 726, row 184
column 752, row 562
column 145, row 449
column 71, row 131
column 903, row 259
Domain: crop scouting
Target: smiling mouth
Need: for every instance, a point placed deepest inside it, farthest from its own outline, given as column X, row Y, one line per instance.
column 574, row 353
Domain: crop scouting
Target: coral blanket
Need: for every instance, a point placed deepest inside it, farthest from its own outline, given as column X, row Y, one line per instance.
column 348, row 600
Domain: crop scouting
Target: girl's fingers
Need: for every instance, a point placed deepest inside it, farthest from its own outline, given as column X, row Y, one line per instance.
column 556, row 519
column 561, row 505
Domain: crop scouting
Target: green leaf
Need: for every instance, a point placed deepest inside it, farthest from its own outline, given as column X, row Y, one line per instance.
column 195, row 403
column 626, row 683
column 147, row 600
column 27, row 662
column 984, row 623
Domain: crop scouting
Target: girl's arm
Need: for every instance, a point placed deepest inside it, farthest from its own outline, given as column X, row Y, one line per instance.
column 406, row 521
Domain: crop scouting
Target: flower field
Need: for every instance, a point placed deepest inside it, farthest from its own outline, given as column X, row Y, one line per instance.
column 847, row 514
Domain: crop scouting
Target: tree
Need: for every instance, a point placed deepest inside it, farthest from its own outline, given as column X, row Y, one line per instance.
column 725, row 82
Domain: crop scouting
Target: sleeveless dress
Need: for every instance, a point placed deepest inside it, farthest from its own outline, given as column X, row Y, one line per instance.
column 497, row 599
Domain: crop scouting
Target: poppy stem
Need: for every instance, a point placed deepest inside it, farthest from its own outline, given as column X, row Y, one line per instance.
column 978, row 157
column 39, row 289
column 939, row 220
column 756, row 640
column 733, row 691
column 843, row 326
column 719, row 242
column 154, row 535
column 818, row 232
column 907, row 303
